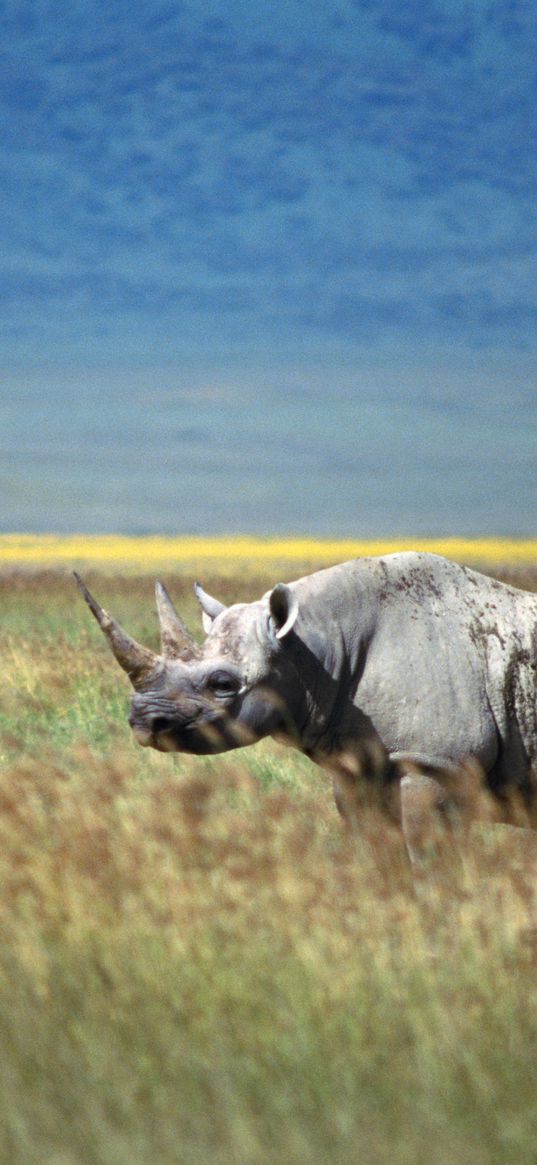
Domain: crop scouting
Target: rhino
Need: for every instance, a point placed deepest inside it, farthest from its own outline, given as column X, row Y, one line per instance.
column 398, row 667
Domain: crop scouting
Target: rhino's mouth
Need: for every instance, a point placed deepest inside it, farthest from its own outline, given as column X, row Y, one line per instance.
column 200, row 736
column 200, row 740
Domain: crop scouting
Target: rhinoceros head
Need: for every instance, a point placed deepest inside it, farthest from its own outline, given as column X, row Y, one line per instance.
column 231, row 691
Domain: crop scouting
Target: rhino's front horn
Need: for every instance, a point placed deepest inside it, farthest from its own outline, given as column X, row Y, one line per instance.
column 138, row 662
column 177, row 642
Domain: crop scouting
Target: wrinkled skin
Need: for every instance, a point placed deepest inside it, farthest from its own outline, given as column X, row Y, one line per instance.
column 406, row 664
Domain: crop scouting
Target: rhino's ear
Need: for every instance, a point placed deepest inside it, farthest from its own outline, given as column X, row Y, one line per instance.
column 283, row 605
column 210, row 607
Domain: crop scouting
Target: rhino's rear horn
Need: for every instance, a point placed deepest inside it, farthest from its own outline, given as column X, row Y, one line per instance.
column 210, row 607
column 177, row 642
column 138, row 662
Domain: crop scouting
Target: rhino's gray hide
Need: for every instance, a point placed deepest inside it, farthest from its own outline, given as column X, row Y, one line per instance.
column 409, row 658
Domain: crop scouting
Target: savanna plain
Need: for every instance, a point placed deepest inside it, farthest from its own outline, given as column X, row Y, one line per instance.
column 197, row 963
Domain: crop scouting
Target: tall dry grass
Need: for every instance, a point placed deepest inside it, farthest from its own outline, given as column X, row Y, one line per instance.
column 197, row 964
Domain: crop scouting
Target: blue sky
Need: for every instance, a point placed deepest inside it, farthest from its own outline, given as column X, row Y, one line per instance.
column 351, row 173
column 270, row 185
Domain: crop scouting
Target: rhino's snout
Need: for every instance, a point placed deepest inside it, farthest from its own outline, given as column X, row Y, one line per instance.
column 156, row 723
column 148, row 729
column 153, row 718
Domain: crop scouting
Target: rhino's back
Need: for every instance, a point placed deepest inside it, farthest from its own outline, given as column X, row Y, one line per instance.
column 444, row 656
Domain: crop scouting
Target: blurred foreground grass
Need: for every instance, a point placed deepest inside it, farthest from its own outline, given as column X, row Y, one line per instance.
column 196, row 965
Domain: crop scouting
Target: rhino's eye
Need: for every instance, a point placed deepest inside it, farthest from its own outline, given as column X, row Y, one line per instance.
column 222, row 684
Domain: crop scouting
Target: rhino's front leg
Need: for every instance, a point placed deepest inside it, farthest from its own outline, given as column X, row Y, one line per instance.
column 424, row 806
column 438, row 799
column 429, row 797
column 363, row 778
column 415, row 799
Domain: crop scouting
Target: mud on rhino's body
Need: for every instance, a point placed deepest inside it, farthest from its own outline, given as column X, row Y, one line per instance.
column 409, row 657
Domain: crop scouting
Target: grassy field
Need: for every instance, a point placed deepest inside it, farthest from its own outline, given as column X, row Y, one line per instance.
column 197, row 965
